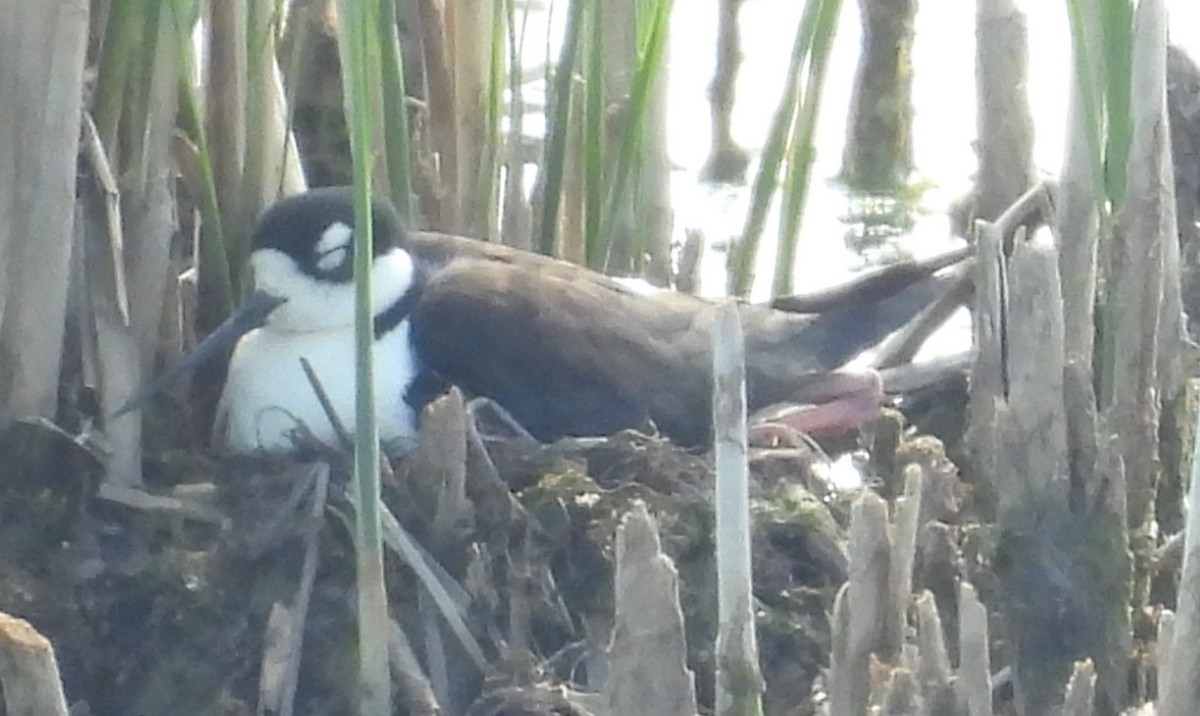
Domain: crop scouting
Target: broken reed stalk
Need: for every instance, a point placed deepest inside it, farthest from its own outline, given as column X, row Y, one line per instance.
column 974, row 661
column 1081, row 690
column 933, row 667
column 648, row 652
column 739, row 683
column 1032, row 423
column 144, row 213
column 1179, row 670
column 110, row 352
column 900, row 562
column 28, row 671
column 860, row 608
column 436, row 582
column 439, row 460
column 1138, row 290
column 871, row 612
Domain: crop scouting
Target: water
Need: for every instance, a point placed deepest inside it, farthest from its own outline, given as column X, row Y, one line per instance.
column 943, row 124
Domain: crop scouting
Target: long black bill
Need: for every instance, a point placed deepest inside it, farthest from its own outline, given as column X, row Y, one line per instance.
column 251, row 315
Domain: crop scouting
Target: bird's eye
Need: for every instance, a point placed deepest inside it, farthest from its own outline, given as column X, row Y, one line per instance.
column 332, row 259
column 333, row 247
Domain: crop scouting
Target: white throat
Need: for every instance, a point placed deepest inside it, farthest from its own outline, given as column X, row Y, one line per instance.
column 316, row 305
column 268, row 401
column 268, row 404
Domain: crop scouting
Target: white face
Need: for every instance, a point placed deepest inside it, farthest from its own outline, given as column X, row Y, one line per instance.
column 315, row 304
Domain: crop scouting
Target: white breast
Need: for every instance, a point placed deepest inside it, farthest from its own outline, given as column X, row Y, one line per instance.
column 268, row 402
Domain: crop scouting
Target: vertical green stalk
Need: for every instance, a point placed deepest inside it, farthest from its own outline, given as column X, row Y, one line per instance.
column 122, row 35
column 798, row 172
column 358, row 43
column 1109, row 132
column 225, row 96
column 554, row 164
column 140, row 114
column 1116, row 17
column 395, row 115
column 651, row 51
column 260, row 98
column 745, row 252
column 489, row 184
column 594, row 242
column 1093, row 100
column 513, row 228
column 216, row 279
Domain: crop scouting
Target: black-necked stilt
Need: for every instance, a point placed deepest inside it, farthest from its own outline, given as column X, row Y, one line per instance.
column 565, row 350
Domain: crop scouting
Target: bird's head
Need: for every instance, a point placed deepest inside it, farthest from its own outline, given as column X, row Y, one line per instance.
column 303, row 260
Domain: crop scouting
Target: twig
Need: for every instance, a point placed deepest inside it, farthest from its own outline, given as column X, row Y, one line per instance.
column 94, row 150
column 285, row 627
column 146, row 502
column 913, row 376
column 519, row 576
column 1038, row 200
column 436, row 661
column 414, row 686
column 405, row 546
column 901, row 346
column 477, row 405
column 335, row 420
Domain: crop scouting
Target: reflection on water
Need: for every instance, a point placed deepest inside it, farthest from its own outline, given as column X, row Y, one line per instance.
column 840, row 236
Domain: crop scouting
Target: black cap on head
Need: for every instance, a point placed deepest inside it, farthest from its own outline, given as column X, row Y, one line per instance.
column 296, row 224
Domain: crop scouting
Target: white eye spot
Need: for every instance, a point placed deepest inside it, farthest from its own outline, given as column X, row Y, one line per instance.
column 332, row 259
column 335, row 236
column 331, row 249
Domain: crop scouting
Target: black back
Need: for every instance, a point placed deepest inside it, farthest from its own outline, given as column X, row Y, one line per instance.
column 568, row 351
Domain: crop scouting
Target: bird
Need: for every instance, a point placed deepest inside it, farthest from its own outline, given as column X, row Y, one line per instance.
column 566, row 351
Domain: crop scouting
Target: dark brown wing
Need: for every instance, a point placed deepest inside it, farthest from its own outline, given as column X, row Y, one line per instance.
column 571, row 352
column 566, row 351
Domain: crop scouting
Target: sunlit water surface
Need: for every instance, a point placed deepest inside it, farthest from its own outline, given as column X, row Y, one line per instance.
column 943, row 125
